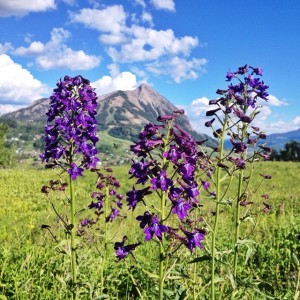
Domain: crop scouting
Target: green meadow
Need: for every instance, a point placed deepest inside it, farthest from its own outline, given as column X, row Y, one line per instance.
column 33, row 265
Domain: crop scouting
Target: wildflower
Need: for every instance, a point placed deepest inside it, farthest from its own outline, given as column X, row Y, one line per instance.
column 154, row 228
column 123, row 250
column 71, row 126
column 193, row 239
column 145, row 219
column 75, row 171
column 181, row 208
column 134, row 196
column 114, row 213
column 161, row 181
column 209, row 123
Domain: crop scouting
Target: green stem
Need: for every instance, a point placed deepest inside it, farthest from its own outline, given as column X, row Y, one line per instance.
column 161, row 253
column 105, row 239
column 237, row 212
column 217, row 213
column 237, row 224
column 73, row 245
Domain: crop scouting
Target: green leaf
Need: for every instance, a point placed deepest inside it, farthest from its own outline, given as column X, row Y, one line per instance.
column 103, row 296
column 151, row 275
column 295, row 259
column 201, row 258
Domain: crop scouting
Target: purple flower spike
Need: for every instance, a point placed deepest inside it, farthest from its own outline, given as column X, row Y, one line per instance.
column 71, row 125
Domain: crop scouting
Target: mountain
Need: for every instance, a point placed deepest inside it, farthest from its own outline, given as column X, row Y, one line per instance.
column 278, row 140
column 275, row 140
column 122, row 114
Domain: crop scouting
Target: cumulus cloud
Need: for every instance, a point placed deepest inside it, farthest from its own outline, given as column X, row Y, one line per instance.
column 274, row 101
column 149, row 44
column 123, row 81
column 21, row 8
column 164, row 4
column 110, row 19
column 17, row 85
column 56, row 54
column 159, row 51
column 179, row 68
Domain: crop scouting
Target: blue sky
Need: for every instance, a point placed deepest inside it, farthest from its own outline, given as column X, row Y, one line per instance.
column 182, row 48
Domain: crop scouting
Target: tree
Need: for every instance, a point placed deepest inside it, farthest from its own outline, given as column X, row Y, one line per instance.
column 7, row 156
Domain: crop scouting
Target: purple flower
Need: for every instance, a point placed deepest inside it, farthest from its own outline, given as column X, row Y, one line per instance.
column 238, row 146
column 173, row 154
column 187, row 171
column 257, row 71
column 75, row 171
column 161, row 181
column 145, row 219
column 150, row 130
column 71, row 125
column 205, row 184
column 87, row 222
column 209, row 123
column 123, row 250
column 154, row 228
column 134, row 196
column 181, row 208
column 193, row 239
column 139, row 170
column 229, row 76
column 114, row 213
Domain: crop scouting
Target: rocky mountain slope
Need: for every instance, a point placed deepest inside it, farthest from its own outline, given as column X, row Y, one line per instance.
column 121, row 114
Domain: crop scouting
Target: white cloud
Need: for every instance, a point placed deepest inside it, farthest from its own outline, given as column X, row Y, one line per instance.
column 158, row 51
column 7, row 108
column 21, row 8
column 111, row 19
column 17, row 85
column 164, row 4
column 147, row 18
column 274, row 101
column 179, row 68
column 5, row 47
column 123, row 81
column 296, row 121
column 33, row 49
column 140, row 2
column 56, row 54
column 150, row 44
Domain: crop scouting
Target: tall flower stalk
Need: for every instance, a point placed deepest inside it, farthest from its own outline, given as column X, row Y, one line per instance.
column 235, row 111
column 167, row 171
column 70, row 138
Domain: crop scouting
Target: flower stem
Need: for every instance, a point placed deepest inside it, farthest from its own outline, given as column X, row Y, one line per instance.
column 237, row 212
column 105, row 239
column 73, row 245
column 217, row 212
column 161, row 253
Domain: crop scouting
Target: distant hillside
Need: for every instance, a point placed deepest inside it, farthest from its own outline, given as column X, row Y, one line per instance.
column 276, row 140
column 122, row 114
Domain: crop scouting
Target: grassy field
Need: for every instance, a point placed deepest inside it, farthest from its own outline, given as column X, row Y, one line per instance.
column 32, row 265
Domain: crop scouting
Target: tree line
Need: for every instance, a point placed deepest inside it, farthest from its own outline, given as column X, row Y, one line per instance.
column 7, row 152
column 291, row 152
